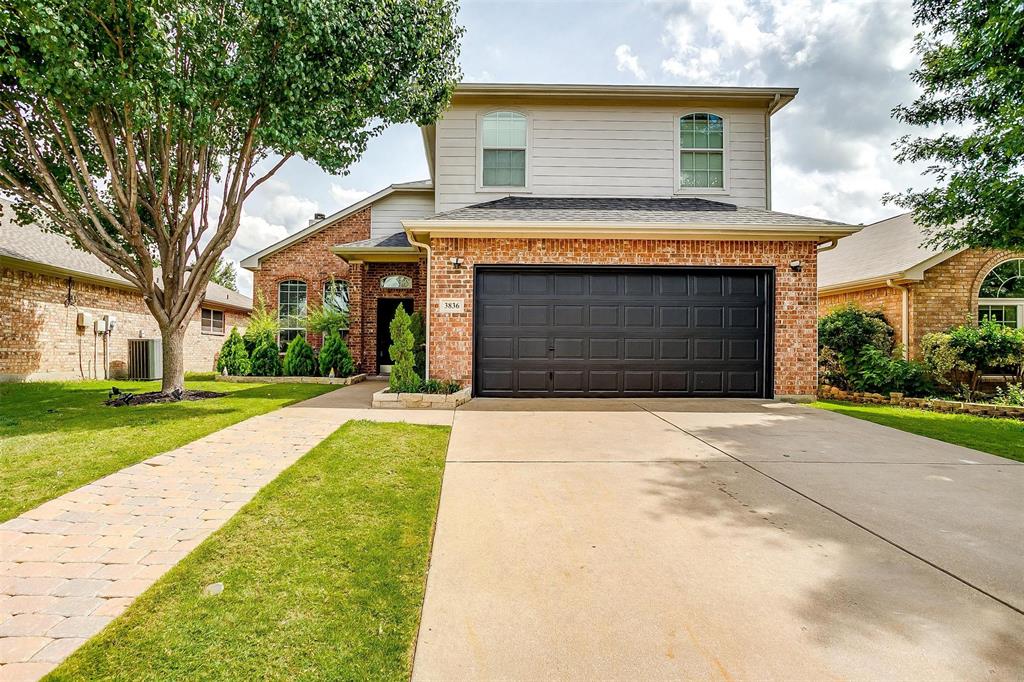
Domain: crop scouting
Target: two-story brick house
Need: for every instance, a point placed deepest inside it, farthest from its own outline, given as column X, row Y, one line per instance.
column 580, row 241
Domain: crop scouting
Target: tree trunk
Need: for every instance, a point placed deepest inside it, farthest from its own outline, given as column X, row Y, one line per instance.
column 174, row 359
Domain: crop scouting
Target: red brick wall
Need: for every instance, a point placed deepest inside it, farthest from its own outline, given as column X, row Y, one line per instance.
column 451, row 335
column 40, row 338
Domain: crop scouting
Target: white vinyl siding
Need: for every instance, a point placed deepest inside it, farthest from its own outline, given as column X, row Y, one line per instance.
column 387, row 214
column 610, row 151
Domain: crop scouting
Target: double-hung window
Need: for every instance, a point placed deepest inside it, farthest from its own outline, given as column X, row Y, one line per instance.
column 503, row 149
column 213, row 321
column 291, row 310
column 701, row 152
column 1001, row 298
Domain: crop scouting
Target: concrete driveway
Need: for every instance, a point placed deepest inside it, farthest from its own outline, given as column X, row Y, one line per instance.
column 729, row 540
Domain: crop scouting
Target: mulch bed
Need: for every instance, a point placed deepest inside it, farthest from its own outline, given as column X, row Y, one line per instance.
column 120, row 398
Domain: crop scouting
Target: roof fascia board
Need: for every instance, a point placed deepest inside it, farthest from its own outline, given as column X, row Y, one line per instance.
column 377, row 254
column 253, row 262
column 92, row 278
column 535, row 229
column 624, row 92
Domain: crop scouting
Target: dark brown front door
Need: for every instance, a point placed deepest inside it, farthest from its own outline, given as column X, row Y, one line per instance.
column 623, row 332
column 386, row 308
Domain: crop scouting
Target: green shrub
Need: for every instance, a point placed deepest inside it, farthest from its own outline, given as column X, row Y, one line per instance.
column 850, row 328
column 404, row 378
column 419, row 342
column 326, row 317
column 264, row 359
column 857, row 351
column 958, row 358
column 334, row 354
column 872, row 371
column 298, row 359
column 1012, row 394
column 440, row 387
column 233, row 356
column 262, row 322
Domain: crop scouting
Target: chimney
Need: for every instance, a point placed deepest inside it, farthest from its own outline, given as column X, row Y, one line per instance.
column 317, row 217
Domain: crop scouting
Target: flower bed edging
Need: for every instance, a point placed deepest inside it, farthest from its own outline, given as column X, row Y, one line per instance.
column 430, row 401
column 334, row 381
column 932, row 404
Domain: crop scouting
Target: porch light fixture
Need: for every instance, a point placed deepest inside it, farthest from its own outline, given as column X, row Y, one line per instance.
column 456, row 262
column 796, row 266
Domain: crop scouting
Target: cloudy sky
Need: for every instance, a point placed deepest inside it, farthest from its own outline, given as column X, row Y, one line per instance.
column 832, row 154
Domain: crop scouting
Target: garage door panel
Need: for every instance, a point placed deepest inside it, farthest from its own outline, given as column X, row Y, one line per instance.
column 606, row 331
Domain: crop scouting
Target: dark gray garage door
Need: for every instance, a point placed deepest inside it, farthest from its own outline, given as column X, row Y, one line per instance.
column 627, row 332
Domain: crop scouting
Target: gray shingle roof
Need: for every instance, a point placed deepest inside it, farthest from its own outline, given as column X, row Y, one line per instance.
column 391, row 241
column 623, row 210
column 32, row 244
column 888, row 247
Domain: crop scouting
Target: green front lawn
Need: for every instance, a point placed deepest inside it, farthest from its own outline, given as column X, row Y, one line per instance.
column 55, row 437
column 1003, row 437
column 323, row 572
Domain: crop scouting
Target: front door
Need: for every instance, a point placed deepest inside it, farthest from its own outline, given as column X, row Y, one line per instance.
column 386, row 308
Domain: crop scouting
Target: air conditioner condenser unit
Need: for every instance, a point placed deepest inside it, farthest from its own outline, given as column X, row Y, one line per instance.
column 145, row 359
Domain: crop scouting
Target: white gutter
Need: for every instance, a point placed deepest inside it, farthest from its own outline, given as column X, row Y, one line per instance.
column 426, row 321
column 905, row 321
column 828, row 246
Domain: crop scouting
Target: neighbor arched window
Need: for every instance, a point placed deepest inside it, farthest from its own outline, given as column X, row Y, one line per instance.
column 291, row 310
column 503, row 142
column 1001, row 297
column 701, row 151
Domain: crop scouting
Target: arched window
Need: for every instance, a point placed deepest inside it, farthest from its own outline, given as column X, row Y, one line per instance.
column 1001, row 297
column 291, row 310
column 701, row 152
column 503, row 140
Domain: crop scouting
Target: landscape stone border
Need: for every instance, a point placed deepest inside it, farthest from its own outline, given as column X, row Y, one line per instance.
column 334, row 381
column 933, row 404
column 430, row 401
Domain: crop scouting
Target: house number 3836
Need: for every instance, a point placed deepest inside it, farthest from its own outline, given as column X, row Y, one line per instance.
column 451, row 305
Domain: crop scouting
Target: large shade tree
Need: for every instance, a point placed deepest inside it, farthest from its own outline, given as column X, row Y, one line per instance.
column 140, row 128
column 972, row 89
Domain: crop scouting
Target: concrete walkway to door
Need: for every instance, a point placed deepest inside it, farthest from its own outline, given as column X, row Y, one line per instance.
column 738, row 540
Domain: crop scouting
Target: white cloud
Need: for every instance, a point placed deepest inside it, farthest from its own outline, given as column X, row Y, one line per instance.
column 627, row 61
column 346, row 196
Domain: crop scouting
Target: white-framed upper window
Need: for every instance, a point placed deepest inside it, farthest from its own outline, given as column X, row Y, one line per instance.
column 1001, row 297
column 504, row 140
column 702, row 151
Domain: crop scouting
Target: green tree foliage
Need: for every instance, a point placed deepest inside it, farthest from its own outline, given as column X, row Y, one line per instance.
column 856, row 351
column 971, row 79
column 224, row 274
column 263, row 322
column 141, row 128
column 298, row 358
column 419, row 342
column 404, row 378
column 325, row 319
column 335, row 354
column 233, row 356
column 265, row 360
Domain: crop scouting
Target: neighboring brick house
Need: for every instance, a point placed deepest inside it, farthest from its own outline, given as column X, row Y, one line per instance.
column 45, row 282
column 920, row 289
column 580, row 241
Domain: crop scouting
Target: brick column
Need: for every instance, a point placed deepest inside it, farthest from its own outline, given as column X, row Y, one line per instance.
column 356, row 287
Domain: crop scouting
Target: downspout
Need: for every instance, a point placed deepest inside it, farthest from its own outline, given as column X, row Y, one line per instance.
column 905, row 331
column 426, row 325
